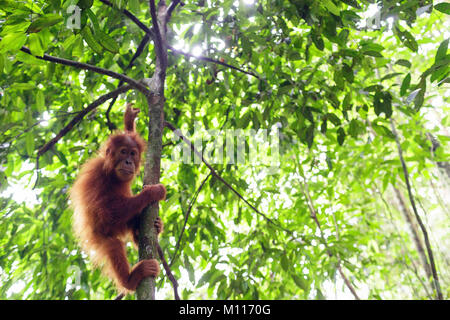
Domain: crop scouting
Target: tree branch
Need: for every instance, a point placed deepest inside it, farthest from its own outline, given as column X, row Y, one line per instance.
column 168, row 272
column 80, row 65
column 172, row 7
column 437, row 286
column 80, row 117
column 215, row 174
column 148, row 238
column 305, row 189
column 414, row 232
column 203, row 58
column 403, row 245
column 186, row 216
column 74, row 122
column 132, row 17
column 157, row 39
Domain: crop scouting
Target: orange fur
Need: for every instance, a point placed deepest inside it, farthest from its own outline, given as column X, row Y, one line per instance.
column 105, row 210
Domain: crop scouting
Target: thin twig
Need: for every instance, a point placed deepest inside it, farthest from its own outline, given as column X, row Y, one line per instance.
column 119, row 297
column 186, row 216
column 24, row 131
column 215, row 174
column 403, row 245
column 132, row 17
column 347, row 282
column 313, row 214
column 437, row 285
column 415, row 233
column 207, row 59
column 168, row 272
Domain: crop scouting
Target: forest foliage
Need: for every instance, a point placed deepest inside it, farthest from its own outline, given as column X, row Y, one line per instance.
column 351, row 203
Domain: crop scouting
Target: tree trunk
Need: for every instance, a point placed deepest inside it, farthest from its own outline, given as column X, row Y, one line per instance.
column 148, row 238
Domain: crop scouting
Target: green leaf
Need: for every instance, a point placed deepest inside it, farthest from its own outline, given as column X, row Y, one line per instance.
column 69, row 41
column 205, row 278
column 356, row 128
column 420, row 97
column 35, row 45
column 284, row 262
column 60, row 156
column 340, row 136
column 437, row 65
column 318, row 41
column 390, row 76
column 323, row 126
column 442, row 51
column 320, row 295
column 94, row 20
column 333, row 118
column 371, row 46
column 45, row 21
column 382, row 130
column 348, row 73
column 407, row 39
column 387, row 104
column 24, row 86
column 107, row 42
column 375, row 87
column 329, row 163
column 332, row 7
column 440, row 73
column 405, row 84
column 330, row 29
column 134, row 6
column 77, row 49
column 190, row 269
column 443, row 7
column 12, row 42
column 40, row 101
column 29, row 59
column 29, row 143
column 382, row 102
column 404, row 63
column 85, row 4
column 373, row 53
column 300, row 282
column 309, row 135
column 343, row 36
column 86, row 32
column 306, row 112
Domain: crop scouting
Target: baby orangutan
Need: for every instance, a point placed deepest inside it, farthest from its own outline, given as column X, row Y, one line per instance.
column 106, row 211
